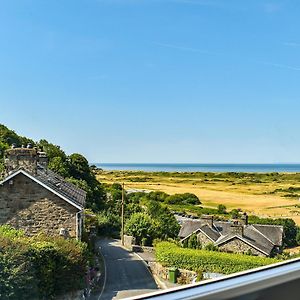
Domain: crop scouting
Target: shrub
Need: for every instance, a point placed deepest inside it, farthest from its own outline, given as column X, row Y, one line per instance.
column 221, row 209
column 170, row 254
column 39, row 267
column 211, row 247
column 186, row 198
column 193, row 242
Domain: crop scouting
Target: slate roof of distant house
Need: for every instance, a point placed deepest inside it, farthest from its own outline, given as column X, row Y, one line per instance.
column 252, row 237
column 55, row 183
column 274, row 233
column 188, row 227
column 210, row 232
column 261, row 237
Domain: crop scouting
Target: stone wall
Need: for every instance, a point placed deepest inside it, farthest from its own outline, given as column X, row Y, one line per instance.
column 138, row 248
column 203, row 239
column 184, row 276
column 238, row 246
column 26, row 205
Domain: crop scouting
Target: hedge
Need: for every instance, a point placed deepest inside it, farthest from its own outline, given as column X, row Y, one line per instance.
column 39, row 267
column 169, row 254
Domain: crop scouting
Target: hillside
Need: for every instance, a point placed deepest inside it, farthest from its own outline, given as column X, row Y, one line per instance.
column 75, row 167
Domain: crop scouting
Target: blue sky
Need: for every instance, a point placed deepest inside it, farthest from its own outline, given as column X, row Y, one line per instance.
column 154, row 80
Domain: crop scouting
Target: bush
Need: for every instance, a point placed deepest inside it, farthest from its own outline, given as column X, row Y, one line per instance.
column 39, row 267
column 221, row 209
column 211, row 247
column 193, row 242
column 186, row 198
column 170, row 254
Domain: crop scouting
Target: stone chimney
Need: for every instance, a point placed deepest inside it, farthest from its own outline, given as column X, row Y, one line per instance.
column 207, row 219
column 43, row 159
column 244, row 219
column 237, row 228
column 25, row 158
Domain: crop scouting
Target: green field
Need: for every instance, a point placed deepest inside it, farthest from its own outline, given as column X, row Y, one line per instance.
column 265, row 195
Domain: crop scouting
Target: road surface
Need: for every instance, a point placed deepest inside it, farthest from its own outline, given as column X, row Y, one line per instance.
column 126, row 275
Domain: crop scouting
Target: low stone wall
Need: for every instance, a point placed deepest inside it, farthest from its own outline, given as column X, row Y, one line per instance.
column 148, row 249
column 137, row 248
column 184, row 276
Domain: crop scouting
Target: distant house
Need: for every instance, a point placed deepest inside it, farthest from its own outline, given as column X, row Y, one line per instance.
column 35, row 199
column 236, row 237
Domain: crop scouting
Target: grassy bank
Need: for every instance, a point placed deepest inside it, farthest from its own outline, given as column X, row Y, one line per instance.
column 267, row 195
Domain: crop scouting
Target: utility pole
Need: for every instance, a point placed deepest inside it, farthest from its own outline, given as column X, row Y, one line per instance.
column 122, row 216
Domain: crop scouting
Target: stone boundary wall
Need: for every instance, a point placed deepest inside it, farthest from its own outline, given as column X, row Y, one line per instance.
column 137, row 248
column 184, row 276
column 148, row 249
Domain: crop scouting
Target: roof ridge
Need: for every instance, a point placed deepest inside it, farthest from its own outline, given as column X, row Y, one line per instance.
column 268, row 225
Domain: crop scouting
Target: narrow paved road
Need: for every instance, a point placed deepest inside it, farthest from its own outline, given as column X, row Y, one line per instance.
column 126, row 275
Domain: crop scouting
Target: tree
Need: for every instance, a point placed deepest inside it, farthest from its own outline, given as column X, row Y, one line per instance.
column 79, row 167
column 166, row 225
column 140, row 225
column 59, row 166
column 9, row 137
column 174, row 199
column 157, row 196
column 234, row 214
column 52, row 150
column 189, row 198
column 221, row 209
column 298, row 236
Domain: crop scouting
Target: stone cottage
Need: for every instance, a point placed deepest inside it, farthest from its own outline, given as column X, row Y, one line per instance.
column 35, row 199
column 236, row 236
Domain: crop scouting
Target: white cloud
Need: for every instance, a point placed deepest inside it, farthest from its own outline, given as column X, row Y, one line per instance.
column 282, row 66
column 291, row 44
column 182, row 48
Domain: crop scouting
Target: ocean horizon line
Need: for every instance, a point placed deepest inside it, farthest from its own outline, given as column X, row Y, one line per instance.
column 191, row 163
column 207, row 167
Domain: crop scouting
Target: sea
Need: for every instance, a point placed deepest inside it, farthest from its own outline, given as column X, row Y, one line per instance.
column 189, row 167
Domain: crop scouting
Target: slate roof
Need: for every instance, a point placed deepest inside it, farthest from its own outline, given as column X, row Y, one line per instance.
column 60, row 185
column 188, row 227
column 55, row 183
column 274, row 233
column 252, row 237
column 262, row 237
column 210, row 232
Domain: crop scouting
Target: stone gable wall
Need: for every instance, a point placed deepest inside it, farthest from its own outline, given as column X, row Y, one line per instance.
column 26, row 205
column 238, row 246
column 203, row 239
